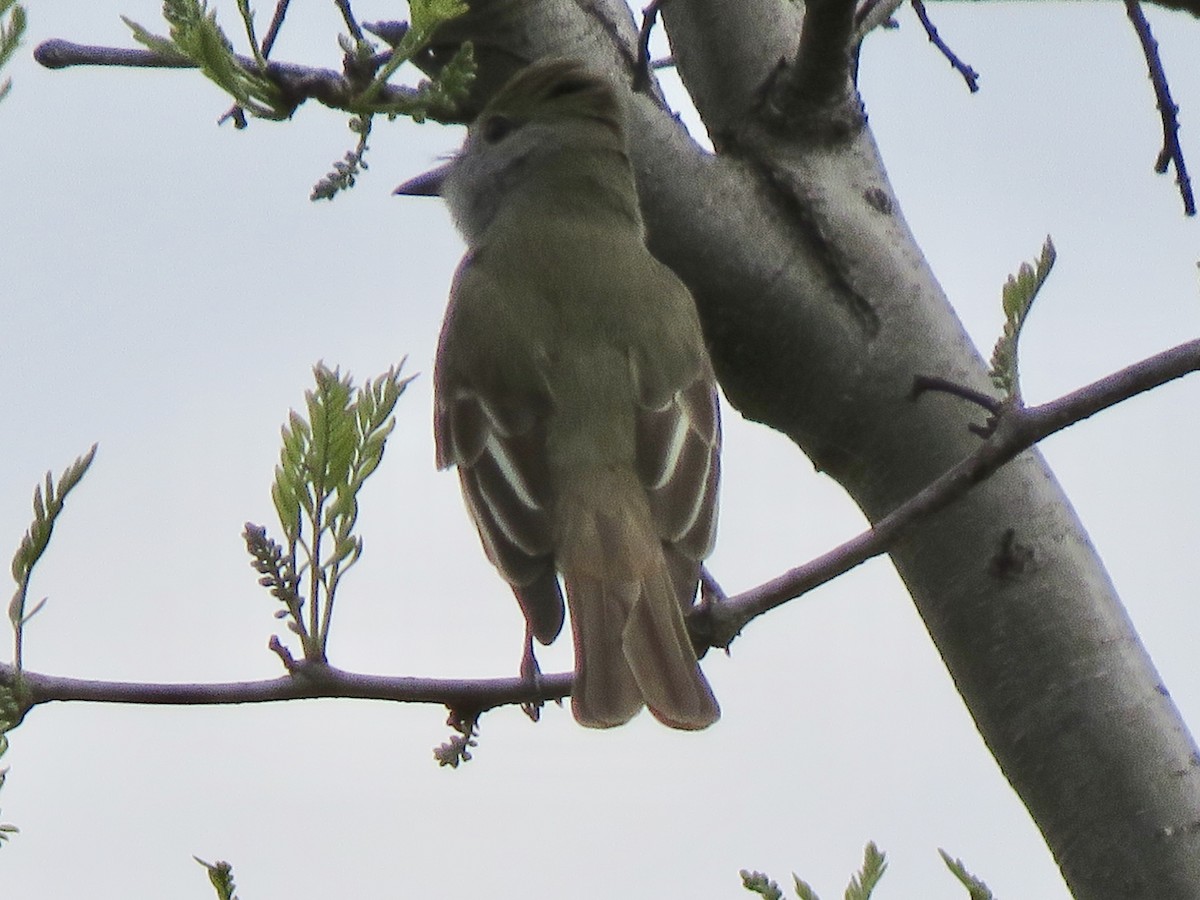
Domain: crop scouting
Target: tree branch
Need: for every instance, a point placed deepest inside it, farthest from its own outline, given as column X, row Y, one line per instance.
column 308, row 682
column 281, row 10
column 718, row 623
column 823, row 65
column 1017, row 430
column 641, row 76
column 1172, row 151
column 969, row 75
column 298, row 82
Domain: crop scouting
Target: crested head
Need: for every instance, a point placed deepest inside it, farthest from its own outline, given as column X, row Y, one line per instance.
column 556, row 89
column 551, row 139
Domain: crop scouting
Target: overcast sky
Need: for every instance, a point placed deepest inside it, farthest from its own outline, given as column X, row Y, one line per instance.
column 167, row 287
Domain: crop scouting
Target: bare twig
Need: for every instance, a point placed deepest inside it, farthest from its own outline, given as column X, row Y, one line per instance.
column 307, row 682
column 641, row 75
column 970, row 76
column 351, row 22
column 923, row 383
column 1171, row 151
column 281, row 9
column 872, row 14
column 59, row 54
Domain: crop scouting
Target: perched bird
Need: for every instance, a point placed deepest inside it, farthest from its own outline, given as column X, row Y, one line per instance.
column 574, row 394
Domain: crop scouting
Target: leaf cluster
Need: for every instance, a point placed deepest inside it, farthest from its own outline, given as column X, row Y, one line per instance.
column 976, row 889
column 863, row 882
column 220, row 874
column 1017, row 299
column 266, row 92
column 47, row 505
column 198, row 39
column 195, row 36
column 328, row 453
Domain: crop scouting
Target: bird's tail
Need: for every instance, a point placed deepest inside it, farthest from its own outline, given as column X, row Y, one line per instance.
column 632, row 647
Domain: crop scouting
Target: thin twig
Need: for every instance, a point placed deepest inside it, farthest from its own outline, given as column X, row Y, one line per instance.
column 641, row 75
column 308, row 682
column 59, row 54
column 1172, row 151
column 923, row 383
column 970, row 76
column 351, row 22
column 281, row 9
column 872, row 14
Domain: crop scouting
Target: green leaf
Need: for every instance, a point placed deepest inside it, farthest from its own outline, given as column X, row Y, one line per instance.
column 862, row 884
column 160, row 45
column 328, row 453
column 10, row 36
column 248, row 22
column 196, row 36
column 426, row 15
column 803, row 889
column 220, row 875
column 976, row 889
column 758, row 883
column 47, row 505
column 1017, row 299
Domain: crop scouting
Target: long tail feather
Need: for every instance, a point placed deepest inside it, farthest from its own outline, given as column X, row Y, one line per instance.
column 605, row 693
column 660, row 655
column 632, row 647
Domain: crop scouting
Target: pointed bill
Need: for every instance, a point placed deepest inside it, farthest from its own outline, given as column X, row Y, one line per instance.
column 428, row 184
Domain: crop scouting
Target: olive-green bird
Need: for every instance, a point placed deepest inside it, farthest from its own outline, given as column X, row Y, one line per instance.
column 575, row 395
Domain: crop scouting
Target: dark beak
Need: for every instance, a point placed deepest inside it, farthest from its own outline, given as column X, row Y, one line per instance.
column 426, row 185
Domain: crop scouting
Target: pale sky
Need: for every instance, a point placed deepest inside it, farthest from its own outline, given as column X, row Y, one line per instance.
column 168, row 286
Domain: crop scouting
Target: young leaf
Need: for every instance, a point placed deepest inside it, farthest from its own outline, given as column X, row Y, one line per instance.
column 868, row 876
column 196, row 36
column 804, row 890
column 976, row 889
column 10, row 36
column 327, row 455
column 1017, row 299
column 46, row 509
column 220, row 874
column 758, row 883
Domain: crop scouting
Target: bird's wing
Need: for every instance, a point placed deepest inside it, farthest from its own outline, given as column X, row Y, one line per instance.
column 678, row 446
column 501, row 465
column 491, row 425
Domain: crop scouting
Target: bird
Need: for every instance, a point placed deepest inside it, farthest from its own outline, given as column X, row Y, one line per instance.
column 575, row 396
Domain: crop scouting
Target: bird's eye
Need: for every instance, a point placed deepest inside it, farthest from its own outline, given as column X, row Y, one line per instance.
column 569, row 86
column 496, row 128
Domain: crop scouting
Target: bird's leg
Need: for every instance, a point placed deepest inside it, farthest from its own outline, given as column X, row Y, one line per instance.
column 531, row 672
